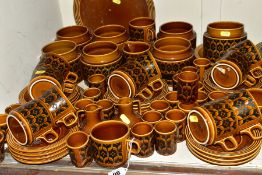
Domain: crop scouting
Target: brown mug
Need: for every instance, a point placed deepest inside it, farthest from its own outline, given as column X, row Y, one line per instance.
column 144, row 133
column 171, row 98
column 152, row 117
column 161, row 106
column 216, row 122
column 36, row 119
column 108, row 109
column 187, row 87
column 189, row 68
column 11, row 107
column 213, row 95
column 111, row 150
column 51, row 70
column 98, row 81
column 202, row 97
column 80, row 151
column 179, row 118
column 93, row 94
column 2, row 146
column 202, row 64
column 142, row 29
column 165, row 137
column 82, row 103
column 186, row 108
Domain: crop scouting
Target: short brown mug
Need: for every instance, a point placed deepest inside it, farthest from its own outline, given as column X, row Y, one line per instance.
column 187, row 87
column 98, row 81
column 93, row 94
column 108, row 109
column 171, row 98
column 165, row 137
column 179, row 118
column 82, row 103
column 202, row 97
column 161, row 106
column 143, row 132
column 213, row 95
column 80, row 151
column 142, row 29
column 152, row 117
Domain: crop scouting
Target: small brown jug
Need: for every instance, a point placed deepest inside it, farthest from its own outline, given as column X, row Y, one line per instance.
column 89, row 117
column 126, row 111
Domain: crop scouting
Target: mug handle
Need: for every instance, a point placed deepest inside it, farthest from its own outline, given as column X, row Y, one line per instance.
column 50, row 131
column 256, row 72
column 149, row 35
column 153, row 83
column 147, row 91
column 69, row 120
column 133, row 150
column 79, row 114
column 248, row 131
column 70, row 82
column 138, row 106
column 250, row 81
column 232, row 140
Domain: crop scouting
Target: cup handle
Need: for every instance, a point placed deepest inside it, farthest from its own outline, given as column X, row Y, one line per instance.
column 49, row 132
column 232, row 140
column 138, row 106
column 248, row 131
column 156, row 88
column 133, row 150
column 69, row 120
column 256, row 72
column 146, row 91
column 250, row 81
column 149, row 35
column 70, row 82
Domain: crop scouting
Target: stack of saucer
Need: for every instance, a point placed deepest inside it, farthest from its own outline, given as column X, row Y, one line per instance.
column 214, row 154
column 40, row 152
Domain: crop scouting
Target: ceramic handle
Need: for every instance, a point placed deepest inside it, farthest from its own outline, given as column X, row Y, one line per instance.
column 70, row 82
column 145, row 94
column 250, row 81
column 149, row 35
column 138, row 105
column 134, row 150
column 156, row 88
column 256, row 72
column 69, row 120
column 232, row 140
column 249, row 132
column 49, row 132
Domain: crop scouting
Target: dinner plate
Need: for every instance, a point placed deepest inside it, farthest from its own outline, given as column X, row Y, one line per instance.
column 95, row 13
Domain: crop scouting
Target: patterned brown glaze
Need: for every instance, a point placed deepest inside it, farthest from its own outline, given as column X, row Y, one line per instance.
column 75, row 66
column 143, row 132
column 111, row 149
column 80, row 150
column 98, row 81
column 3, row 125
column 165, row 138
column 142, row 29
column 215, row 48
column 108, row 109
column 227, row 116
column 2, row 146
column 187, row 89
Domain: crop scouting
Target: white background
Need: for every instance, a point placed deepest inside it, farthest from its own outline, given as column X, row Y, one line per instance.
column 27, row 25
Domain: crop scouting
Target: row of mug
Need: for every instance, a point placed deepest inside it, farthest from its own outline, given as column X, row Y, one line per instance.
column 112, row 149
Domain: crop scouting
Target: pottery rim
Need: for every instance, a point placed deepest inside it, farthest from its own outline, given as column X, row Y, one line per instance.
column 176, row 111
column 154, row 111
column 142, row 135
column 165, row 133
column 230, row 28
column 74, row 134
column 177, row 24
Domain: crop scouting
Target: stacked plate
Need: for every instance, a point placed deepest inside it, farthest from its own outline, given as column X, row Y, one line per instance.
column 40, row 152
column 214, row 154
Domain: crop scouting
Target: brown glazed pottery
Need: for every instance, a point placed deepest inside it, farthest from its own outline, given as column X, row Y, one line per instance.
column 103, row 12
column 179, row 118
column 161, row 106
column 100, row 57
column 213, row 95
column 126, row 113
column 152, row 117
column 89, row 117
column 187, row 89
column 51, row 70
column 35, row 120
column 112, row 32
column 202, row 64
column 142, row 29
column 144, row 133
column 82, row 103
column 178, row 29
column 165, row 137
column 199, row 51
column 111, row 149
column 3, row 125
column 139, row 70
column 79, row 147
column 225, row 29
column 175, row 81
column 186, row 108
column 171, row 98
column 217, row 121
column 2, row 146
column 214, row 48
column 93, row 94
column 108, row 109
column 189, row 68
column 172, row 54
column 98, row 81
column 11, row 107
column 202, row 97
column 76, row 33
